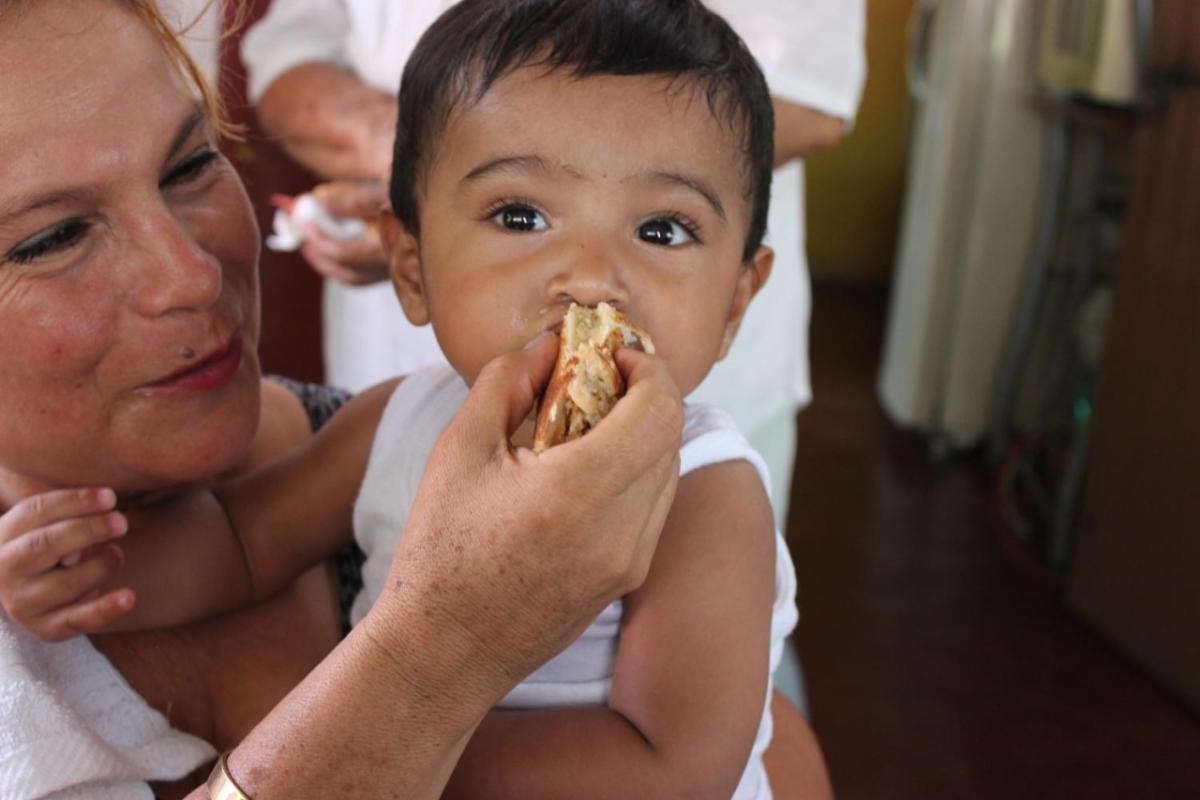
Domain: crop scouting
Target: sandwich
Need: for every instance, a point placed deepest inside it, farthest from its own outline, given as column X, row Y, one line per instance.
column 586, row 383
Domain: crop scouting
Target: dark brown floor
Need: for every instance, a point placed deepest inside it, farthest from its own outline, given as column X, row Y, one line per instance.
column 938, row 664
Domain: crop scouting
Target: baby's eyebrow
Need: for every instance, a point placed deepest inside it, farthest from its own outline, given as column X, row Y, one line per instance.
column 526, row 163
column 697, row 185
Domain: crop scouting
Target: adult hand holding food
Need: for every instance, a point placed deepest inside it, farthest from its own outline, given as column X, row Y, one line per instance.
column 506, row 558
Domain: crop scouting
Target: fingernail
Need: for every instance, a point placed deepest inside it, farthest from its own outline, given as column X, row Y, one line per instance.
column 118, row 523
column 70, row 559
column 541, row 337
column 107, row 497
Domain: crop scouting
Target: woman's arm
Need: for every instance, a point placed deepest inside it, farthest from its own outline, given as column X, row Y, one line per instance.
column 794, row 760
column 487, row 583
column 331, row 122
column 801, row 131
column 691, row 673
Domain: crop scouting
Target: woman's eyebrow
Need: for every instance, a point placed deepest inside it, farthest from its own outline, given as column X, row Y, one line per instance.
column 24, row 204
column 184, row 132
column 697, row 185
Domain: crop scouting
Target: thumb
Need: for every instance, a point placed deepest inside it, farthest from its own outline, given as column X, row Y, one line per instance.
column 505, row 392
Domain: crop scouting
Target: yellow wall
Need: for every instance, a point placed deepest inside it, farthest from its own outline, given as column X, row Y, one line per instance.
column 854, row 190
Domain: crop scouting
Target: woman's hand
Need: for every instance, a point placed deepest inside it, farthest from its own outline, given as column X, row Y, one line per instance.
column 518, row 552
column 56, row 551
column 355, row 262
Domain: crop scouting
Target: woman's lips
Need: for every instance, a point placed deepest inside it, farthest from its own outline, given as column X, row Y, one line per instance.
column 214, row 370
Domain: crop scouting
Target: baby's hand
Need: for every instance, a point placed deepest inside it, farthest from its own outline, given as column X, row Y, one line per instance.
column 56, row 551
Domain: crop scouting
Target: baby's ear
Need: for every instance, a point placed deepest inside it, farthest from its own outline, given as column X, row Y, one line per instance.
column 404, row 263
column 751, row 278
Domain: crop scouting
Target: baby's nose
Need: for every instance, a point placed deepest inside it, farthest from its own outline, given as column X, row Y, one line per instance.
column 589, row 278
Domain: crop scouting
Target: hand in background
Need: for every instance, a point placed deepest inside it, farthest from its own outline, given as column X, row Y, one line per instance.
column 358, row 261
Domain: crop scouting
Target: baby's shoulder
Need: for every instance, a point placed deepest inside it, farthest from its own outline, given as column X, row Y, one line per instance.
column 710, row 436
column 428, row 397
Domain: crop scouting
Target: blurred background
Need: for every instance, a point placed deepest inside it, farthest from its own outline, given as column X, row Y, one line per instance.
column 995, row 514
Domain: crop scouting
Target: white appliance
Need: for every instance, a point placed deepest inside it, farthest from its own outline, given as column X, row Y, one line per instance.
column 977, row 152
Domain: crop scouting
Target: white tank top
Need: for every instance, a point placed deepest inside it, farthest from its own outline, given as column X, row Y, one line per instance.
column 419, row 410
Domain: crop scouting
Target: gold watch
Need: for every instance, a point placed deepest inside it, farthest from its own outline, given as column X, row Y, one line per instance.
column 221, row 785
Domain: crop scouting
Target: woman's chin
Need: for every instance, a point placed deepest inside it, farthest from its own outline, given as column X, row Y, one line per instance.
column 188, row 443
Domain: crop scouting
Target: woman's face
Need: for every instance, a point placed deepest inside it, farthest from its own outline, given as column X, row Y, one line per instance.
column 128, row 253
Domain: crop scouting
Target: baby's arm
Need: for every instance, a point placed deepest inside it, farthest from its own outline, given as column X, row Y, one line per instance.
column 691, row 673
column 259, row 533
column 200, row 553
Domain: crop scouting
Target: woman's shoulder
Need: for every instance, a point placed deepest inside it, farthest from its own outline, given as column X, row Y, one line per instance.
column 290, row 412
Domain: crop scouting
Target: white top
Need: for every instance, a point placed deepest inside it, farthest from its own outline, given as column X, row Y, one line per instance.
column 71, row 727
column 419, row 410
column 812, row 54
column 200, row 23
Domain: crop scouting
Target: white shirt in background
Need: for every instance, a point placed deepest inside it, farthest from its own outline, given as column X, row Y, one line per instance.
column 812, row 53
column 200, row 22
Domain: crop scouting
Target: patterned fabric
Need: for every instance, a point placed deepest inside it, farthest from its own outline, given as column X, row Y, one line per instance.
column 321, row 403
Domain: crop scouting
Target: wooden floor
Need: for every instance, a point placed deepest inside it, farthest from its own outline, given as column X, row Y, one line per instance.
column 938, row 664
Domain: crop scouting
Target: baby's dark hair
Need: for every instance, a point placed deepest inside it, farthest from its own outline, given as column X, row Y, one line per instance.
column 477, row 42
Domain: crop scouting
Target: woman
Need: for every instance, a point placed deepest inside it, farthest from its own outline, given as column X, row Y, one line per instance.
column 129, row 316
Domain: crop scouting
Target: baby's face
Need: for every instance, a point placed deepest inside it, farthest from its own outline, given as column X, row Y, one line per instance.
column 554, row 189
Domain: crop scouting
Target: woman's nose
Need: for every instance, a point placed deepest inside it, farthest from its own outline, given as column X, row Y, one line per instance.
column 174, row 272
column 588, row 274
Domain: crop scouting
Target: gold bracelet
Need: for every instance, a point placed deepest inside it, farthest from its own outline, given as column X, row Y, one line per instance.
column 221, row 785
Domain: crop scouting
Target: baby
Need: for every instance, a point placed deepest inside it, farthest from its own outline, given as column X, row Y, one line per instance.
column 547, row 152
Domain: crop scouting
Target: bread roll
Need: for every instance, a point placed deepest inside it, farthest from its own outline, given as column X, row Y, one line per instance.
column 586, row 383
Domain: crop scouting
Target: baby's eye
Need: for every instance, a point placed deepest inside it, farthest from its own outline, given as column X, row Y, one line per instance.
column 666, row 232
column 520, row 218
column 60, row 237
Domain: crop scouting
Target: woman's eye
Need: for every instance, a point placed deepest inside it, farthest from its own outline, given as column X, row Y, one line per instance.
column 60, row 237
column 191, row 168
column 665, row 232
column 520, row 218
